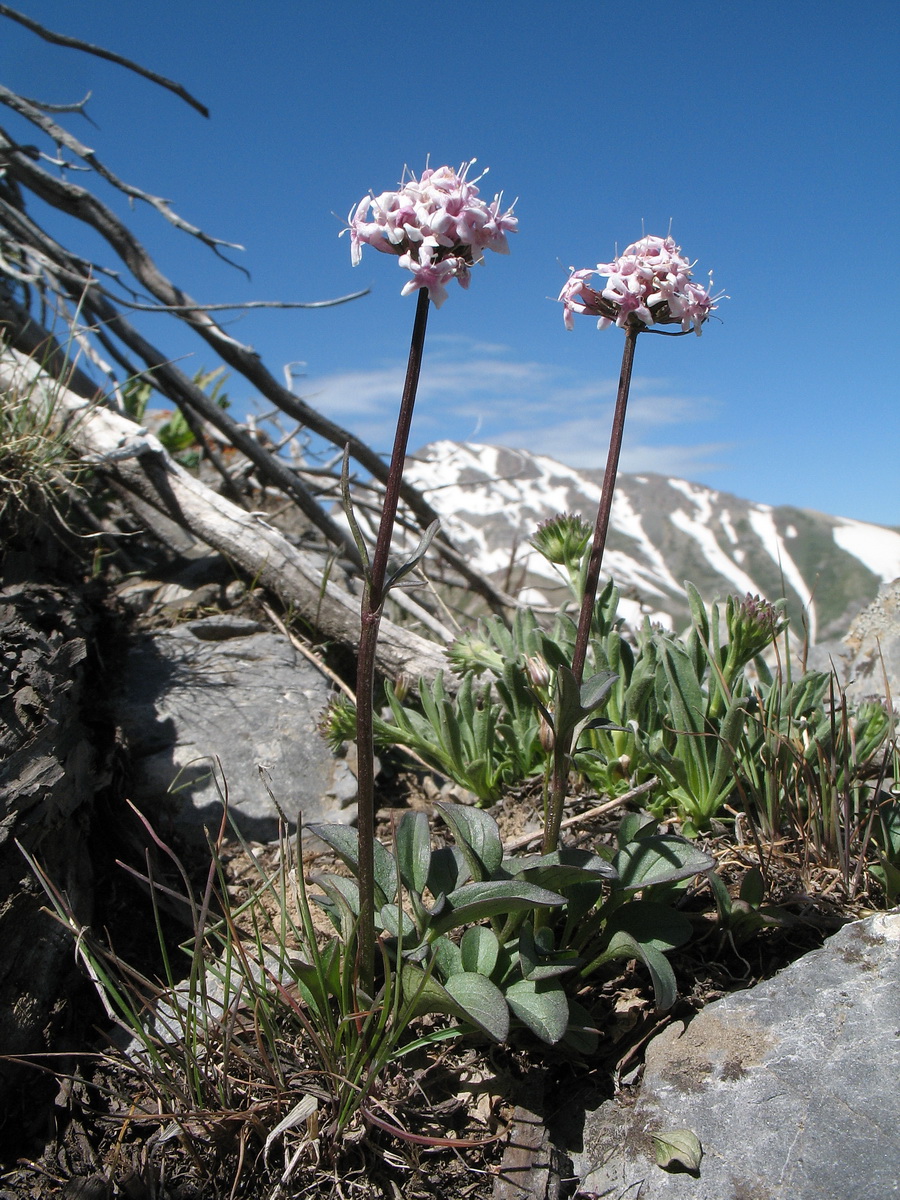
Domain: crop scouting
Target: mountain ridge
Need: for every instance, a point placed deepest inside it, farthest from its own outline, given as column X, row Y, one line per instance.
column 663, row 531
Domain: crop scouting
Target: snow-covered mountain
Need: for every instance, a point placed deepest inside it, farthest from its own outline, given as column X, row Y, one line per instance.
column 662, row 532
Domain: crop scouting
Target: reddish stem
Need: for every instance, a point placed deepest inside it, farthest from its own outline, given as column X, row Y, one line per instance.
column 605, row 507
column 372, row 604
column 562, row 751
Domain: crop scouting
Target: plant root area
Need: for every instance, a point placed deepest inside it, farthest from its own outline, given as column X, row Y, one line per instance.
column 458, row 1119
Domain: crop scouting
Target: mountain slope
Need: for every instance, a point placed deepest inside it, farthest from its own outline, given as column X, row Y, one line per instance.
column 662, row 531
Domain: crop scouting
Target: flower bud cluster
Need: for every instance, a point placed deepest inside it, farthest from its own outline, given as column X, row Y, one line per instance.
column 562, row 539
column 754, row 624
column 651, row 283
column 438, row 226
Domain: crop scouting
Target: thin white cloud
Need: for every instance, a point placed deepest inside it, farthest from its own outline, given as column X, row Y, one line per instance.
column 583, row 442
column 474, row 391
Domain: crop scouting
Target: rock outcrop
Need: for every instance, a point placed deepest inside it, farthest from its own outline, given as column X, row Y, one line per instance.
column 206, row 704
column 791, row 1087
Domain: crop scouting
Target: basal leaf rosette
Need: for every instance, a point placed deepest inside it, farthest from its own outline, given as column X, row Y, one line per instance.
column 437, row 225
column 651, row 283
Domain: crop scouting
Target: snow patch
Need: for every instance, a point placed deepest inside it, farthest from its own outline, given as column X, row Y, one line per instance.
column 875, row 547
column 762, row 523
column 725, row 519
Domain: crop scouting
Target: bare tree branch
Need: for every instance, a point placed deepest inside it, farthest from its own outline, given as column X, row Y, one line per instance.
column 77, row 106
column 136, row 460
column 61, row 39
column 62, row 137
column 244, row 304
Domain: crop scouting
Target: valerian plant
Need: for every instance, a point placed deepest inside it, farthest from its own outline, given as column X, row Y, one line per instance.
column 438, row 227
column 552, row 919
column 650, row 284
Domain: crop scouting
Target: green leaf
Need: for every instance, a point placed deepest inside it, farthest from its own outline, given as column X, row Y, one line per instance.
column 479, row 948
column 447, row 871
column 447, row 957
column 595, row 690
column 537, row 957
column 542, row 1007
column 698, row 611
column 623, row 945
column 567, row 709
column 582, row 1035
column 651, row 924
column 340, row 887
column 753, row 887
column 345, row 843
column 477, row 901
column 562, row 868
column 888, row 876
column 398, row 924
column 678, row 1148
column 634, row 826
column 481, row 1002
column 340, row 902
column 477, row 836
column 660, row 858
column 417, row 555
column 412, row 847
column 722, row 897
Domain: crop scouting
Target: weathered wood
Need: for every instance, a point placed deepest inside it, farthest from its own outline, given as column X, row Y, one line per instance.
column 138, row 463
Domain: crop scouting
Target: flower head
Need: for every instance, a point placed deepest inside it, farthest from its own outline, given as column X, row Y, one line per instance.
column 562, row 539
column 754, row 624
column 651, row 283
column 437, row 225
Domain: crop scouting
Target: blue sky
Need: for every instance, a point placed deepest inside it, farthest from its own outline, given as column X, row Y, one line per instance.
column 765, row 132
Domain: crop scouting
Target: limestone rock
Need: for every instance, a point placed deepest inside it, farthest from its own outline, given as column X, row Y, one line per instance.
column 873, row 644
column 791, row 1087
column 223, row 690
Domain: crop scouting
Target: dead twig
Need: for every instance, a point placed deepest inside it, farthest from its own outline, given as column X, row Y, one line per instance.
column 526, row 839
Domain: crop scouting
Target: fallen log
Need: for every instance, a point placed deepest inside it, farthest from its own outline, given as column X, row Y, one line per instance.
column 136, row 461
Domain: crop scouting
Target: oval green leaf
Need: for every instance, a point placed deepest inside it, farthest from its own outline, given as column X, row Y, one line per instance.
column 542, row 1007
column 480, row 949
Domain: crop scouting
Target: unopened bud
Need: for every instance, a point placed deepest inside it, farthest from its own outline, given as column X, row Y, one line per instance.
column 562, row 539
column 537, row 670
column 402, row 685
column 546, row 736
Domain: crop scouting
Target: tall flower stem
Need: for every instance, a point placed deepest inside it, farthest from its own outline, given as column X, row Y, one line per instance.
column 632, row 329
column 372, row 606
column 563, row 748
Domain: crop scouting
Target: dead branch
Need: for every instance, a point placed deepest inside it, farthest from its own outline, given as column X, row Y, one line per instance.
column 80, row 281
column 61, row 39
column 138, row 463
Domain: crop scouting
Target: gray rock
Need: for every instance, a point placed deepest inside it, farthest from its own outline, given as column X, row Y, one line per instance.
column 873, row 647
column 791, row 1087
column 223, row 689
column 50, row 772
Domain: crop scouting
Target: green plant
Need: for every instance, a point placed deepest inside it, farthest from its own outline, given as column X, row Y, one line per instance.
column 810, row 766
column 37, row 466
column 886, row 846
column 702, row 697
column 176, row 434
column 742, row 916
column 495, row 730
column 253, row 1013
column 565, row 913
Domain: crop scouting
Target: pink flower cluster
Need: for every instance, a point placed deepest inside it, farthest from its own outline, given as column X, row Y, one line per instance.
column 651, row 281
column 436, row 224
